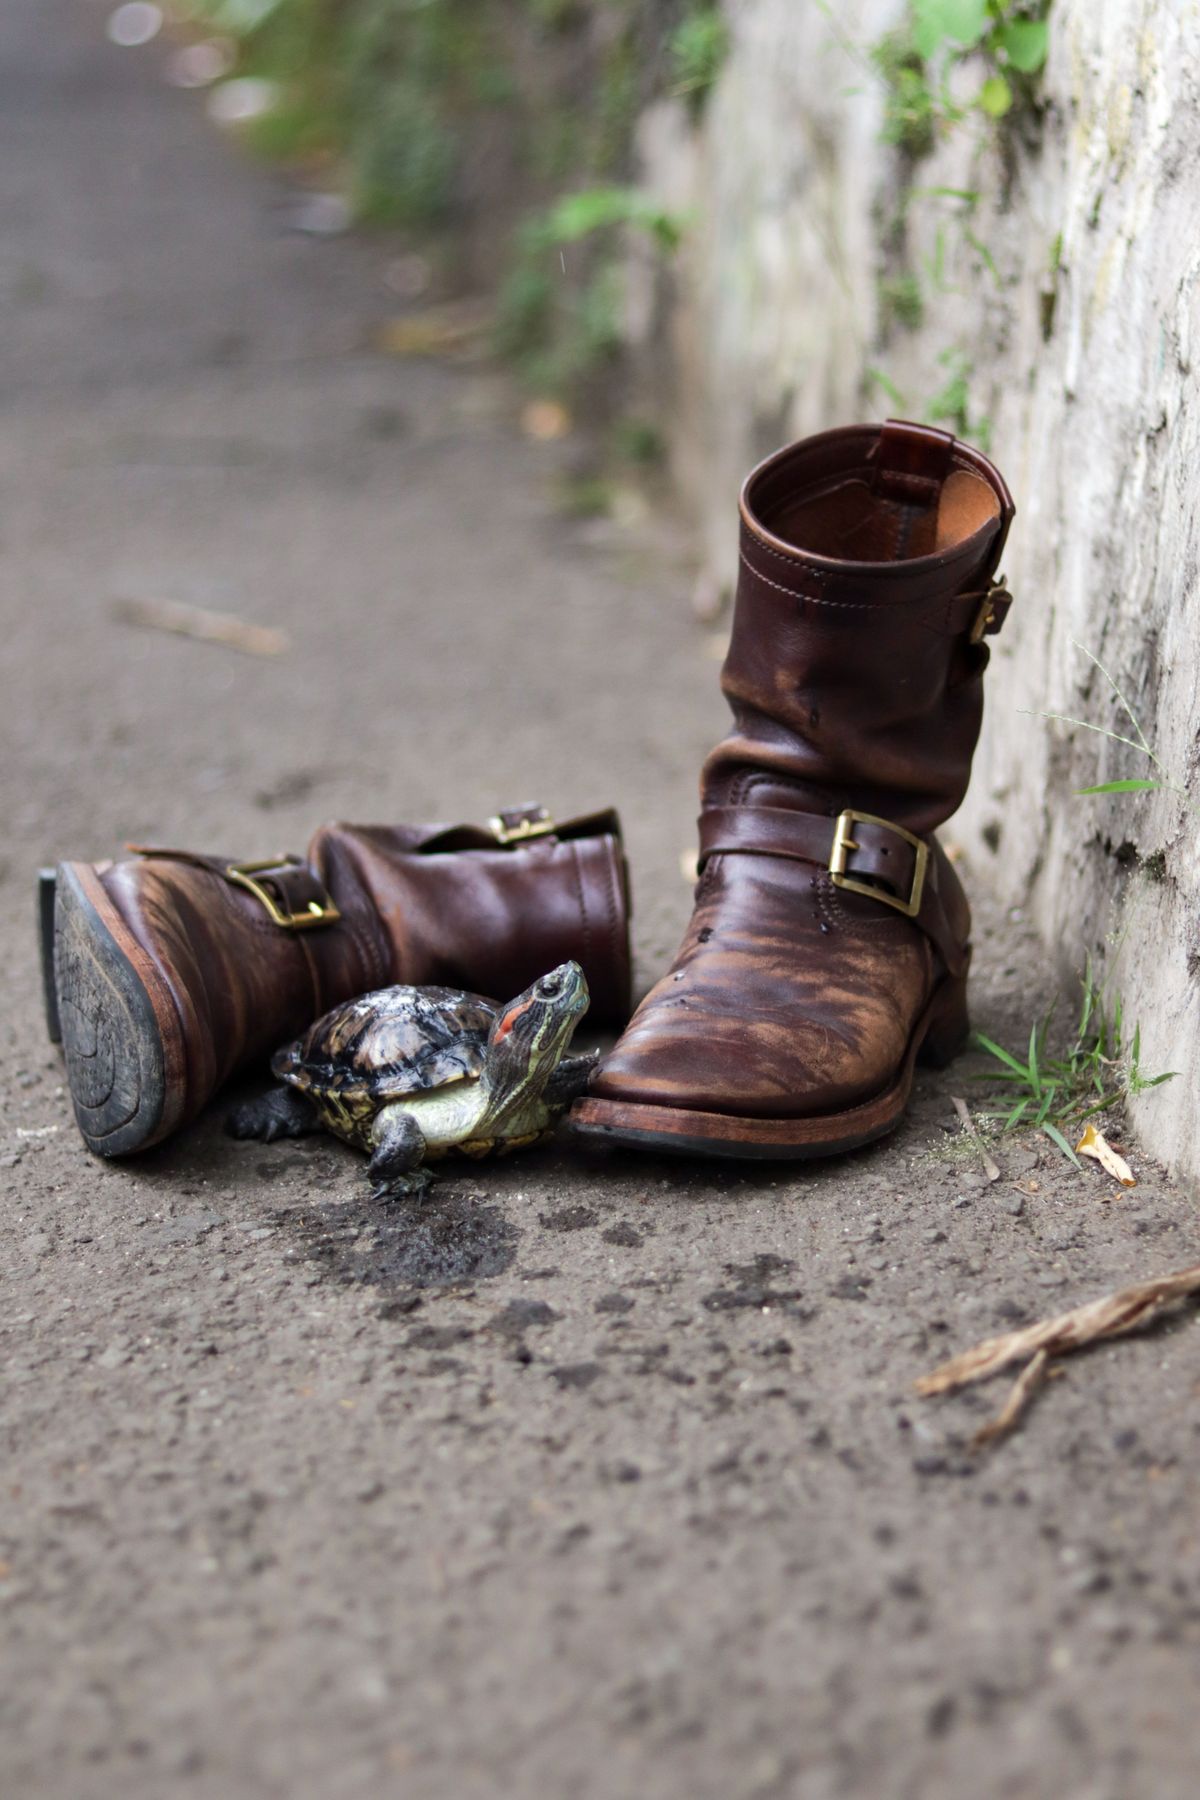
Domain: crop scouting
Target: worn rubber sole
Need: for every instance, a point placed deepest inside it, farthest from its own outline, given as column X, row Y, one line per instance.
column 940, row 1034
column 117, row 1022
column 46, row 887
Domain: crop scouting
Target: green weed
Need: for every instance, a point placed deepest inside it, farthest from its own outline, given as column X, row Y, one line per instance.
column 1007, row 39
column 560, row 324
column 1161, row 780
column 901, row 300
column 1097, row 1071
column 923, row 66
column 697, row 48
column 951, row 405
column 577, row 216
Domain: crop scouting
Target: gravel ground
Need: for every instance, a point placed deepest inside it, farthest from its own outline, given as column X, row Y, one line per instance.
column 599, row 1479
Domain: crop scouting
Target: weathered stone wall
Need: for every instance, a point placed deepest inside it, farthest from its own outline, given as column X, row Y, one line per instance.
column 1074, row 330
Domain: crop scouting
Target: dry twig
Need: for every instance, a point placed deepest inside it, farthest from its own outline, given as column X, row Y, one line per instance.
column 1114, row 1315
column 200, row 622
column 968, row 1125
column 1032, row 1377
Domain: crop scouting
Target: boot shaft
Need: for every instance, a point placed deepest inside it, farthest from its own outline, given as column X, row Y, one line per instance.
column 490, row 909
column 865, row 591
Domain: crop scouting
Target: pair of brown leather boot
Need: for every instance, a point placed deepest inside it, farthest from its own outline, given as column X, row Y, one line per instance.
column 831, row 938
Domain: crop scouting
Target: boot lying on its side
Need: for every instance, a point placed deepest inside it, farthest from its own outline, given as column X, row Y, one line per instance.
column 831, row 937
column 166, row 973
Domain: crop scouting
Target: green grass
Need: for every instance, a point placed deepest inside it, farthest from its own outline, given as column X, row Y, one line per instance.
column 1160, row 781
column 1054, row 1093
column 697, row 48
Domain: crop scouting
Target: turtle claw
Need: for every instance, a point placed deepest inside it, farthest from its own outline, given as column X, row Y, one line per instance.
column 280, row 1113
column 409, row 1186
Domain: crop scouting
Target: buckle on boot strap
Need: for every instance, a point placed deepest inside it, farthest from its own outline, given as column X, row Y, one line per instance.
column 886, row 852
column 844, row 843
column 293, row 897
column 518, row 824
column 991, row 612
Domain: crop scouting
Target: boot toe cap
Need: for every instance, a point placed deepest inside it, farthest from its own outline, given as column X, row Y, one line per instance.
column 779, row 1064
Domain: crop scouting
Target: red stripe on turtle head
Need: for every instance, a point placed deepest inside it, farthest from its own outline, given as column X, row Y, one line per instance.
column 504, row 1025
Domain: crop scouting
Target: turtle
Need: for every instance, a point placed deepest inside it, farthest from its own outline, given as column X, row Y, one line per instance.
column 408, row 1073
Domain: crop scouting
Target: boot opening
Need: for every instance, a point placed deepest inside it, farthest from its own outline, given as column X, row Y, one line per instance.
column 848, row 503
column 854, row 523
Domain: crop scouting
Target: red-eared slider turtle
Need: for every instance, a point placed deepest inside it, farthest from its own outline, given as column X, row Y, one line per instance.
column 408, row 1073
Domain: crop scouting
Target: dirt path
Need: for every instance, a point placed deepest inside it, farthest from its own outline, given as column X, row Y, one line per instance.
column 595, row 1480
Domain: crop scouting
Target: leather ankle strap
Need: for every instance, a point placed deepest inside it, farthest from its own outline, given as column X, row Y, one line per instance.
column 516, row 827
column 861, row 852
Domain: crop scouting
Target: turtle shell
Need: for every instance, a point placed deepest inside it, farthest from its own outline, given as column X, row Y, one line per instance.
column 383, row 1045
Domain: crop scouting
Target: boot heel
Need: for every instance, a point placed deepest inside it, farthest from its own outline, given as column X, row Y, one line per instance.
column 949, row 1025
column 121, row 1073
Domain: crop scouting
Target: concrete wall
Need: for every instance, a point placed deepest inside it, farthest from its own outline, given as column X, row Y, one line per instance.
column 1078, row 346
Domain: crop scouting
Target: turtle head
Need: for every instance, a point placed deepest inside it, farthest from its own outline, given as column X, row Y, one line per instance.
column 527, row 1041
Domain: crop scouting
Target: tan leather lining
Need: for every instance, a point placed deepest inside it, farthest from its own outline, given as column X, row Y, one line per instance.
column 849, row 520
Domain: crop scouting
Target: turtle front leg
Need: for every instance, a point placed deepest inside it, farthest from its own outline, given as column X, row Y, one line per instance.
column 397, row 1165
column 280, row 1113
column 570, row 1079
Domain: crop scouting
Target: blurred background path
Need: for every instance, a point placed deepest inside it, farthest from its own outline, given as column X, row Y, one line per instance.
column 635, row 1499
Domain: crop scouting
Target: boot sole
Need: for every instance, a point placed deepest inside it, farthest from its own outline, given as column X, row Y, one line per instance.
column 117, row 1022
column 940, row 1034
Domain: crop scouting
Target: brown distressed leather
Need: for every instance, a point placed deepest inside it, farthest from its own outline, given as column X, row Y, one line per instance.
column 451, row 905
column 867, row 563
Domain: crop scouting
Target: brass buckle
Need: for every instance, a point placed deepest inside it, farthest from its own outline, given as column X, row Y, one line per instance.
column 317, row 912
column 521, row 824
column 985, row 618
column 843, row 844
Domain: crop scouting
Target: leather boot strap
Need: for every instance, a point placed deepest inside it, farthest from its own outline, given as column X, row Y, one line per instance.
column 515, row 827
column 295, row 898
column 862, row 853
column 291, row 894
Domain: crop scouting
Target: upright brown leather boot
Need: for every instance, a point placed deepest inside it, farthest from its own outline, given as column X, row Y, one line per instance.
column 168, row 972
column 830, row 942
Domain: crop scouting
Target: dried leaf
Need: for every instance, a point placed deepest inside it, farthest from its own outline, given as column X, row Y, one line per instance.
column 199, row 622
column 545, row 420
column 1094, row 1143
column 1112, row 1316
column 436, row 332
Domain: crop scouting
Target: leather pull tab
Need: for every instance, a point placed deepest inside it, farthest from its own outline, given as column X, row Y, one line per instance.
column 912, row 461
